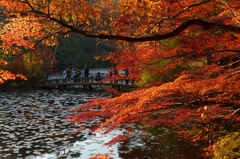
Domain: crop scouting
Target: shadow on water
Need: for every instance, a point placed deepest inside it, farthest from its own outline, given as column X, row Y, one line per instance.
column 157, row 143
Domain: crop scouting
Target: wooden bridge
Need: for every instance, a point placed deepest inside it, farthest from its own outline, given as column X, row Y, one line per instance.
column 63, row 83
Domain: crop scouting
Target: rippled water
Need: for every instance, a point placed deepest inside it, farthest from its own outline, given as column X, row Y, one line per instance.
column 33, row 127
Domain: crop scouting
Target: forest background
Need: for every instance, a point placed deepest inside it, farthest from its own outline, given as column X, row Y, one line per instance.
column 184, row 54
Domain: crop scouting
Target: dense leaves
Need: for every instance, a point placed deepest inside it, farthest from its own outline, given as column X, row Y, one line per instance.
column 135, row 21
column 223, row 148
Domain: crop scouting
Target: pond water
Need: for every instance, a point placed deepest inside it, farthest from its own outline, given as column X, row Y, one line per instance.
column 33, row 127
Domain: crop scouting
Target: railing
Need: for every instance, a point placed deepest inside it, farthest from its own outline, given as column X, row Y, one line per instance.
column 86, row 81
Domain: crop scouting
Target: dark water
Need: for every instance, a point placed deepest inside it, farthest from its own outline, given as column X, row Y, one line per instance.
column 33, row 127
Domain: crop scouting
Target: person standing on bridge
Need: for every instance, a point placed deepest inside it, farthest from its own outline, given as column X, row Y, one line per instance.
column 110, row 74
column 74, row 74
column 68, row 73
column 126, row 73
column 115, row 73
column 86, row 73
column 65, row 74
column 78, row 74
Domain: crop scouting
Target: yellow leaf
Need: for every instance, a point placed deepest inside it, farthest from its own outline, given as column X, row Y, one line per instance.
column 205, row 107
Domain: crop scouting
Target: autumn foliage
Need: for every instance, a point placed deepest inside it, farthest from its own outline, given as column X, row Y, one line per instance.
column 7, row 75
column 100, row 156
column 185, row 55
column 185, row 99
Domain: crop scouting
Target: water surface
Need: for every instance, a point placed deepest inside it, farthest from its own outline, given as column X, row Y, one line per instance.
column 33, row 126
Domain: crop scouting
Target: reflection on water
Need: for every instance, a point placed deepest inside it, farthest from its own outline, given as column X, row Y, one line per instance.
column 33, row 127
column 92, row 146
column 157, row 143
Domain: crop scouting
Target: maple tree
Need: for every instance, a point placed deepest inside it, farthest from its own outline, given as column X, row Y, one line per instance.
column 194, row 43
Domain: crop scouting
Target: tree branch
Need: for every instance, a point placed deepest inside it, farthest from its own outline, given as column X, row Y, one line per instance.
column 199, row 22
column 234, row 73
column 177, row 31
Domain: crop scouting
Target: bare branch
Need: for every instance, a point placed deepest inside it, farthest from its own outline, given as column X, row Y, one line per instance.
column 234, row 73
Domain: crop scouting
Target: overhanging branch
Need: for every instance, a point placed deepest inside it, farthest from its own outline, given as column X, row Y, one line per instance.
column 199, row 22
column 156, row 37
